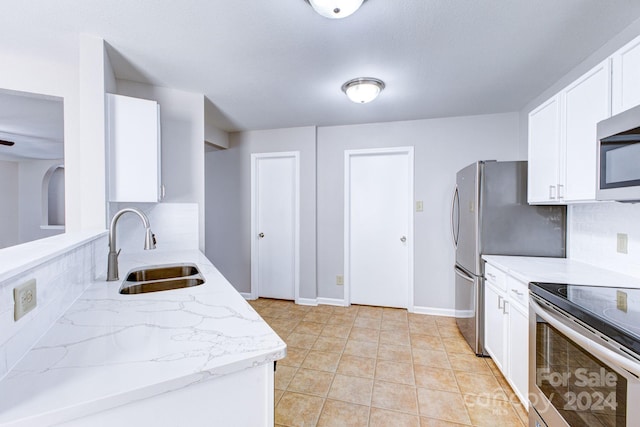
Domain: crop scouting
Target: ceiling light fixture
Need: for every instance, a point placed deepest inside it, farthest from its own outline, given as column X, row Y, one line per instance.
column 335, row 9
column 363, row 89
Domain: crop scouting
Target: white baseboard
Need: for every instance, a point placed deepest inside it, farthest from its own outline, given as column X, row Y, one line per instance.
column 307, row 301
column 247, row 295
column 449, row 312
column 332, row 301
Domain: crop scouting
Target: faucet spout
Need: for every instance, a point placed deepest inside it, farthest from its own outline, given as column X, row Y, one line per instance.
column 149, row 241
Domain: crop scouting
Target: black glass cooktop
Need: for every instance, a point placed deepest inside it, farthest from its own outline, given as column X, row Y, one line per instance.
column 615, row 312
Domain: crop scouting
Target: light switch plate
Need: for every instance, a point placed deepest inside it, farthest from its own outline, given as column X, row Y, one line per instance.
column 622, row 243
column 340, row 280
column 419, row 206
column 24, row 299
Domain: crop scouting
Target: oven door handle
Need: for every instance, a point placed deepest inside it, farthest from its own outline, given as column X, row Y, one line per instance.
column 604, row 353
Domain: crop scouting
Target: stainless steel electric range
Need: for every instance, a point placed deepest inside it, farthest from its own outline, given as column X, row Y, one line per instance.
column 584, row 356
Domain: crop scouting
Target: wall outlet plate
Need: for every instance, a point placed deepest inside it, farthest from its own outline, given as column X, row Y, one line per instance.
column 340, row 280
column 621, row 300
column 623, row 240
column 24, row 299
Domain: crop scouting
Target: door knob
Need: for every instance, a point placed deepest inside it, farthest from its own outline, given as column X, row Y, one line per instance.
column 403, row 239
column 261, row 235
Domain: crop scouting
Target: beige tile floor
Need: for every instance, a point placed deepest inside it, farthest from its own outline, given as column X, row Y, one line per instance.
column 373, row 366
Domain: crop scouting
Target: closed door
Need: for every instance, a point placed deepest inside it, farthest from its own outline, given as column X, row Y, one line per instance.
column 275, row 229
column 378, row 219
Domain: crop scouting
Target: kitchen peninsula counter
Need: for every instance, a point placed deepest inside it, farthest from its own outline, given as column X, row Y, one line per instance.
column 112, row 357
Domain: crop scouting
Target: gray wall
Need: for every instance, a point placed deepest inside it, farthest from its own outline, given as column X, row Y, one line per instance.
column 442, row 146
column 228, row 203
column 9, row 224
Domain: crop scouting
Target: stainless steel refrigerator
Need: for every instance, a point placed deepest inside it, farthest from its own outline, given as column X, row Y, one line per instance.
column 490, row 216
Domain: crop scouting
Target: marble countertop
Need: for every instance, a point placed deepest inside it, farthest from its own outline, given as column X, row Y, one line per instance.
column 110, row 349
column 560, row 270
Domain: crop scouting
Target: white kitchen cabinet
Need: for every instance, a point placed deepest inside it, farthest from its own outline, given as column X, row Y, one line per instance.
column 495, row 325
column 519, row 351
column 544, row 152
column 626, row 77
column 507, row 328
column 562, row 140
column 134, row 149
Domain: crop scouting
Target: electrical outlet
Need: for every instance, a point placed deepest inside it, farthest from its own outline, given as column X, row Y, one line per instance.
column 25, row 299
column 340, row 280
column 622, row 243
column 419, row 206
column 621, row 300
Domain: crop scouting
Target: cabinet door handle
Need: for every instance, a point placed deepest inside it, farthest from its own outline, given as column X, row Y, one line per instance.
column 504, row 307
column 515, row 291
column 552, row 192
column 491, row 276
column 560, row 191
column 500, row 303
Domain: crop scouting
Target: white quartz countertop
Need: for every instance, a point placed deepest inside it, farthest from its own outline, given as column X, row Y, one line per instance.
column 111, row 349
column 560, row 270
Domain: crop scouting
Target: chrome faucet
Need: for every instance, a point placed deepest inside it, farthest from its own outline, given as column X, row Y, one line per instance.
column 149, row 241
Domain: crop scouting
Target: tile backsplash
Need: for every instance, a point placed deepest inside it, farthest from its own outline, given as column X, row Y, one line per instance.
column 60, row 281
column 593, row 230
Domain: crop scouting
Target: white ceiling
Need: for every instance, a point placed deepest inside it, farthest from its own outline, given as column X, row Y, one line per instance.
column 276, row 63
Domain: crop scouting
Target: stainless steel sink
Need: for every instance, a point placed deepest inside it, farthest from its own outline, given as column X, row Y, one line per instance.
column 161, row 278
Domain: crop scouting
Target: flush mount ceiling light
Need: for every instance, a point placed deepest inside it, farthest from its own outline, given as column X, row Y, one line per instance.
column 335, row 9
column 363, row 89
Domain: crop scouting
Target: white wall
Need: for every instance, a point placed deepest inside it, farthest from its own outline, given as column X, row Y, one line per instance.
column 182, row 128
column 441, row 148
column 31, row 176
column 228, row 203
column 9, row 226
column 592, row 228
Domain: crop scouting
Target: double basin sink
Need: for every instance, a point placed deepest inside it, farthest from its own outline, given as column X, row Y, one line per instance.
column 161, row 278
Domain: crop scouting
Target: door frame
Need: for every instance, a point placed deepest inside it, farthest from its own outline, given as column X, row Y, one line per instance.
column 255, row 157
column 348, row 154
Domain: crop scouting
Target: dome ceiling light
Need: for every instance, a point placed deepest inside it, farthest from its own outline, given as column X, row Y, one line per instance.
column 363, row 89
column 335, row 9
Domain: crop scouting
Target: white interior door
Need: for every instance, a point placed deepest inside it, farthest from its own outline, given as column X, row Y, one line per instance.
column 275, row 225
column 379, row 227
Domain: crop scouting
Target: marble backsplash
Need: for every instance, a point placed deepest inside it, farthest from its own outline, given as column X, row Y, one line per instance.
column 60, row 281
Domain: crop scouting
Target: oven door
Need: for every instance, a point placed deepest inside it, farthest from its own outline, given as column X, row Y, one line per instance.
column 577, row 378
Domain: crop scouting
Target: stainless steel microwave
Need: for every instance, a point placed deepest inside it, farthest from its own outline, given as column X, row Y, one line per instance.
column 619, row 157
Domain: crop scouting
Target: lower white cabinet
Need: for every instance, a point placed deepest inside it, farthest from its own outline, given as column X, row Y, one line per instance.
column 495, row 325
column 519, row 352
column 506, row 328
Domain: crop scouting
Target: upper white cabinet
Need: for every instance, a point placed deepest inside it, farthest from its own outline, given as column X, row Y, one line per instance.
column 626, row 77
column 544, row 152
column 134, row 149
column 562, row 140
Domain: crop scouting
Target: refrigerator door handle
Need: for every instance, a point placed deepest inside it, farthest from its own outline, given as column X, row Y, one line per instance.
column 455, row 198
